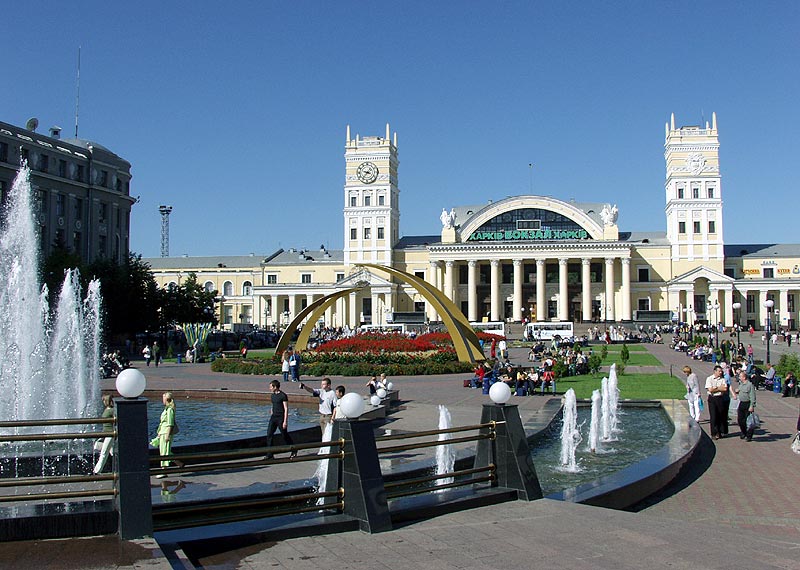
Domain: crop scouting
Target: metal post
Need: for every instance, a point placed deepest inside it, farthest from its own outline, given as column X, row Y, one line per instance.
column 509, row 452
column 131, row 453
column 361, row 477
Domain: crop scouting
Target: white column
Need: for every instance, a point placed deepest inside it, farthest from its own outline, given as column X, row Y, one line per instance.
column 329, row 316
column 517, row 303
column 626, row 289
column 448, row 279
column 495, row 304
column 727, row 319
column 433, row 279
column 376, row 309
column 388, row 303
column 609, row 277
column 783, row 297
column 690, row 318
column 541, row 305
column 563, row 296
column 586, row 290
column 292, row 307
column 472, row 291
column 309, row 299
column 274, row 310
column 353, row 309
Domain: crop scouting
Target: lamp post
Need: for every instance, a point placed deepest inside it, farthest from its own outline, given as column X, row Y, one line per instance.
column 690, row 323
column 736, row 307
column 768, row 304
column 715, row 308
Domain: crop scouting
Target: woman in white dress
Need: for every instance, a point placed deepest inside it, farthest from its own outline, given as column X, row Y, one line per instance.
column 692, row 393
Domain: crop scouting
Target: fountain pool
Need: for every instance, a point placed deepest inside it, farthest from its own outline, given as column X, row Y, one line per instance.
column 643, row 432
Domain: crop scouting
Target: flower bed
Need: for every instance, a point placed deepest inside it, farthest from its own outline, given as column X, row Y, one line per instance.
column 365, row 355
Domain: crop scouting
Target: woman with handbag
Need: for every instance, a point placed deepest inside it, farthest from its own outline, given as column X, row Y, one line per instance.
column 747, row 404
column 167, row 428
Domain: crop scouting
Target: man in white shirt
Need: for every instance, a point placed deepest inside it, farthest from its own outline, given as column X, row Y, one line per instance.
column 326, row 401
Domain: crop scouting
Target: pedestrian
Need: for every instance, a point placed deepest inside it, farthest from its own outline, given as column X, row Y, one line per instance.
column 156, row 353
column 167, row 428
column 294, row 366
column 372, row 384
column 279, row 419
column 285, row 363
column 717, row 388
column 104, row 445
column 147, row 354
column 692, row 393
column 338, row 414
column 326, row 396
column 747, row 404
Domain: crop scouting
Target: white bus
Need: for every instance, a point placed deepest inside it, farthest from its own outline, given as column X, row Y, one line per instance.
column 386, row 328
column 547, row 331
column 491, row 327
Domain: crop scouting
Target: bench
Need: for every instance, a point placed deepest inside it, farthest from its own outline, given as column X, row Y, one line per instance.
column 231, row 354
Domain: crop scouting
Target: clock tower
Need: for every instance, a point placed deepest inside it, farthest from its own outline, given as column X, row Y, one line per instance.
column 694, row 193
column 371, row 199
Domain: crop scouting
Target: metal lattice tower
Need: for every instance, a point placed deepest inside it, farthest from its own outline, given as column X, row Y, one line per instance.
column 165, row 212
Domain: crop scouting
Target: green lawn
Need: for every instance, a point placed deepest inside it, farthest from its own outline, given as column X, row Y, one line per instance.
column 265, row 353
column 631, row 386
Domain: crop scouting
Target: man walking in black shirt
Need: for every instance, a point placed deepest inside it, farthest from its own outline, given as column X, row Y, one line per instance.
column 280, row 416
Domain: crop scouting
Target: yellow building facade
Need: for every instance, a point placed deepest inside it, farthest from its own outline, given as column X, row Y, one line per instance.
column 521, row 258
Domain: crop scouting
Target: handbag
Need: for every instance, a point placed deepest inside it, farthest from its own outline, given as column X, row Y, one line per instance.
column 796, row 443
column 700, row 405
column 753, row 421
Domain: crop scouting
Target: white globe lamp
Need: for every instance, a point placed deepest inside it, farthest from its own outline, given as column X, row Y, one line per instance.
column 352, row 405
column 375, row 400
column 390, row 386
column 500, row 393
column 131, row 383
column 381, row 393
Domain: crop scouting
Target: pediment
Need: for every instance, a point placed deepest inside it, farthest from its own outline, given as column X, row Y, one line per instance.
column 701, row 272
column 359, row 275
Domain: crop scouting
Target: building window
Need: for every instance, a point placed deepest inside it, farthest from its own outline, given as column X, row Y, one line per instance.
column 751, row 303
column 696, row 227
column 79, row 173
column 209, row 286
column 227, row 289
column 730, row 272
column 62, row 168
column 680, row 193
column 695, row 193
column 380, row 233
column 367, row 200
column 339, row 277
column 104, row 178
column 367, row 233
column 681, row 227
column 381, row 200
column 272, row 279
column 247, row 288
column 353, row 201
column 3, row 191
column 712, row 227
column 644, row 304
column 419, row 274
column 228, row 315
column 710, row 192
column 76, row 242
column 103, row 213
column 3, row 152
column 24, row 154
column 305, row 278
column 769, row 273
column 353, row 233
column 60, row 204
column 644, row 274
column 43, row 163
column 77, row 209
column 102, row 246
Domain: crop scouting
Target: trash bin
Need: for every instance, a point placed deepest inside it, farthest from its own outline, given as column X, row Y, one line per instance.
column 180, row 358
column 776, row 385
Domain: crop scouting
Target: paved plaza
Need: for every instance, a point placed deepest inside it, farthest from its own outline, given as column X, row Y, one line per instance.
column 737, row 506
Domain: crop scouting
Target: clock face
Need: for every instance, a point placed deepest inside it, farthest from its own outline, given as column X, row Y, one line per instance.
column 367, row 172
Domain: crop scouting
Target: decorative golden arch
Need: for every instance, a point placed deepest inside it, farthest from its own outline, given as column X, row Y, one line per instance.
column 461, row 332
column 315, row 309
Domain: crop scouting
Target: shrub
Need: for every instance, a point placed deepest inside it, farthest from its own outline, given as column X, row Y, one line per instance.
column 594, row 364
column 788, row 363
column 620, row 368
column 560, row 369
column 604, row 352
column 625, row 354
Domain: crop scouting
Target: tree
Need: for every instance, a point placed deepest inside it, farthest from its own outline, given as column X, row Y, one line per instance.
column 188, row 302
column 624, row 354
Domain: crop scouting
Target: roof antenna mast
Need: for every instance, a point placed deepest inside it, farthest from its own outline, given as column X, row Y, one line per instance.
column 78, row 93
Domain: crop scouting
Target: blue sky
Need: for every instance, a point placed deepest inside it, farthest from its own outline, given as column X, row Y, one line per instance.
column 235, row 113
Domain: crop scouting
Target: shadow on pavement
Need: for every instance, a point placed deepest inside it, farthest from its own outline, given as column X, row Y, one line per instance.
column 691, row 472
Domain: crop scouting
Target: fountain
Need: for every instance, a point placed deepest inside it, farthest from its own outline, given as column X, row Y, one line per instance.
column 48, row 359
column 321, row 474
column 613, row 400
column 570, row 434
column 445, row 456
column 594, row 424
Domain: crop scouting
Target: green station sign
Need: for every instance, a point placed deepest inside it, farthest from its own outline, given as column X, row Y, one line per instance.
column 519, row 235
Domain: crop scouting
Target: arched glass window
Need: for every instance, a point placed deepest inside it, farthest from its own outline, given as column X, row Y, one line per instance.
column 247, row 288
column 227, row 289
column 209, row 286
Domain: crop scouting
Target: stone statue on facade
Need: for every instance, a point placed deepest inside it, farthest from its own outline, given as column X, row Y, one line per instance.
column 448, row 219
column 609, row 214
